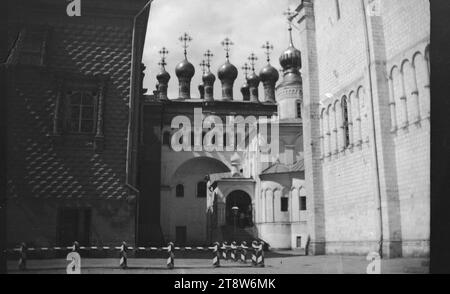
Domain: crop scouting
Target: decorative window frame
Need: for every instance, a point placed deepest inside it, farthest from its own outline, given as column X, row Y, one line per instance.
column 69, row 82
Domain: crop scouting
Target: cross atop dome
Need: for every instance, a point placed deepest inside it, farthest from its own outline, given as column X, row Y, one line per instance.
column 227, row 43
column 268, row 48
column 208, row 55
column 163, row 52
column 252, row 58
column 290, row 15
column 203, row 65
column 185, row 39
column 246, row 68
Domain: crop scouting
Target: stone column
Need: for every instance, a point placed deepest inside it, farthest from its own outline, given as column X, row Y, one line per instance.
column 311, row 129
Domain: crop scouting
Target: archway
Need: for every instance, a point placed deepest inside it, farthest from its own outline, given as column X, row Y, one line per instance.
column 242, row 216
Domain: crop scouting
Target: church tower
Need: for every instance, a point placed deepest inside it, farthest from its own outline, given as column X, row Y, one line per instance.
column 289, row 91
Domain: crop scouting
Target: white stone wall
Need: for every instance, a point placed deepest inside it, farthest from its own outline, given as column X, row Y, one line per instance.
column 407, row 35
column 348, row 173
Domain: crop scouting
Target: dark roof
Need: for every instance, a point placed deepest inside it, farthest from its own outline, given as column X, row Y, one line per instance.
column 280, row 168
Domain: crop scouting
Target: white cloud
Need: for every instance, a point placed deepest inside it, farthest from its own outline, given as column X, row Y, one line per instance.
column 249, row 24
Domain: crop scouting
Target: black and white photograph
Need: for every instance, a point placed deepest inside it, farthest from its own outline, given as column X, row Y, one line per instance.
column 256, row 137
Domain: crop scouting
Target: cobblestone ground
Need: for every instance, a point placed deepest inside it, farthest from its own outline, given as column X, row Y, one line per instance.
column 279, row 263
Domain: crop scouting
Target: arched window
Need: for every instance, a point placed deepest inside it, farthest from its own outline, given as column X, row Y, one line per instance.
column 180, row 191
column 166, row 138
column 201, row 189
column 345, row 123
column 299, row 109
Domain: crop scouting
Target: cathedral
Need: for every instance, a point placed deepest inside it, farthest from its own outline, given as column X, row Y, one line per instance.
column 339, row 164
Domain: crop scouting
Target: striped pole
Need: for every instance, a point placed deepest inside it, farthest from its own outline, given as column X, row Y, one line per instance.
column 23, row 257
column 234, row 256
column 224, row 251
column 244, row 252
column 171, row 257
column 254, row 253
column 260, row 259
column 216, row 255
column 123, row 256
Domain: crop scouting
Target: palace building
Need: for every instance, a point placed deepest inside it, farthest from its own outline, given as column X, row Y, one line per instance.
column 344, row 167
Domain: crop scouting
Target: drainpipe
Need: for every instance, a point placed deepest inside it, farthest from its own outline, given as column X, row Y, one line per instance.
column 133, row 112
column 374, row 144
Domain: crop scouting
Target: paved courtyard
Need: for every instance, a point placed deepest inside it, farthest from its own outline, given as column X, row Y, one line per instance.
column 275, row 263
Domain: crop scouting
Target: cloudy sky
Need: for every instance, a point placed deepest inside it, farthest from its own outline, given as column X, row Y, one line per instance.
column 248, row 23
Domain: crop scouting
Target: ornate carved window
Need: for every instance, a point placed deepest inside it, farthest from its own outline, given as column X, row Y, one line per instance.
column 78, row 114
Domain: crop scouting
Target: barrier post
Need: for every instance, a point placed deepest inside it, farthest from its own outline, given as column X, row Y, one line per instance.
column 123, row 256
column 216, row 255
column 23, row 257
column 224, row 251
column 260, row 260
column 244, row 252
column 171, row 256
column 254, row 254
column 234, row 248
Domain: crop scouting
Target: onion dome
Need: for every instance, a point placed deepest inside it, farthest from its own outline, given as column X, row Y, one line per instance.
column 163, row 77
column 269, row 73
column 208, row 78
column 291, row 58
column 185, row 70
column 253, row 79
column 227, row 72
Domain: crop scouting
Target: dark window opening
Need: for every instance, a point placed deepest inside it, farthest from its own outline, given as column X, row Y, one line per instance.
column 345, row 123
column 284, row 204
column 74, row 224
column 302, row 203
column 180, row 191
column 201, row 189
column 299, row 109
column 81, row 112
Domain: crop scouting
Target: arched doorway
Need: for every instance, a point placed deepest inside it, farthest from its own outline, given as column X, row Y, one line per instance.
column 239, row 210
